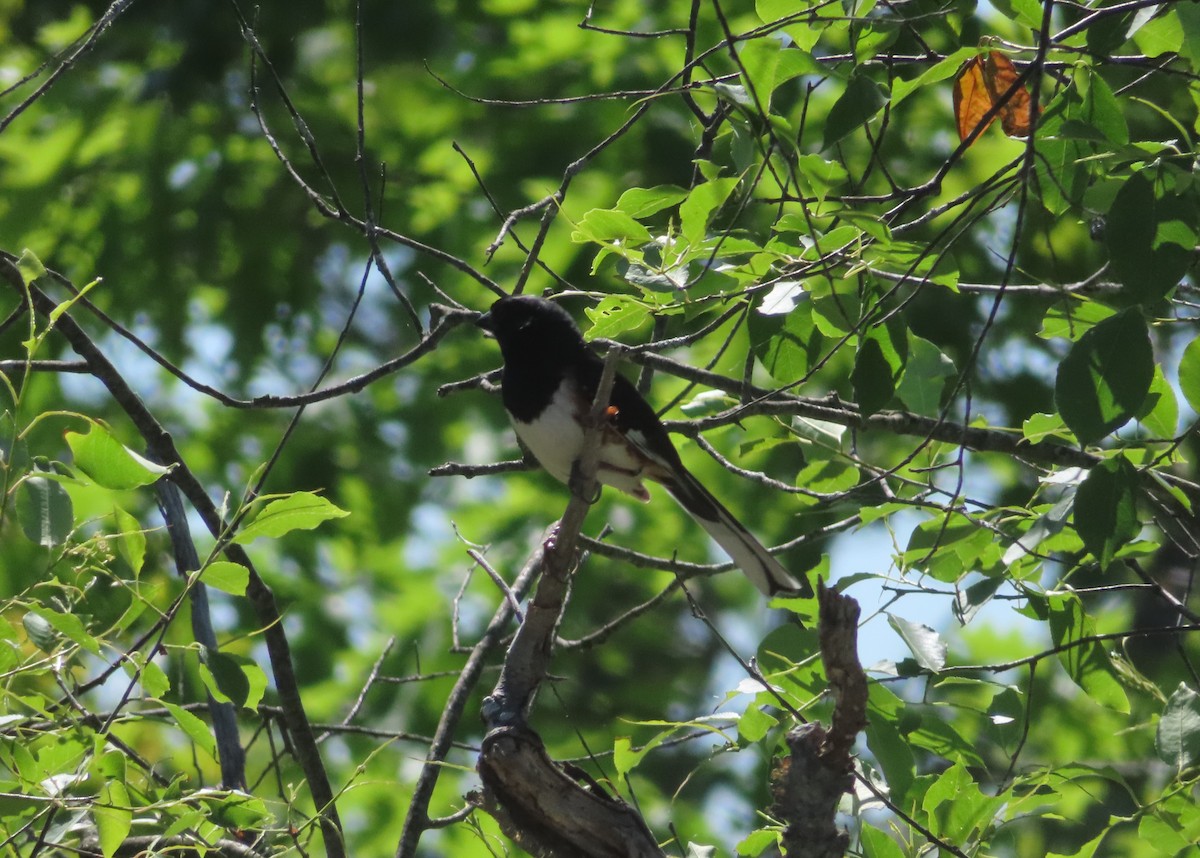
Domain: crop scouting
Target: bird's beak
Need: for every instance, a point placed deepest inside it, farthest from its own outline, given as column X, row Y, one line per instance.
column 486, row 323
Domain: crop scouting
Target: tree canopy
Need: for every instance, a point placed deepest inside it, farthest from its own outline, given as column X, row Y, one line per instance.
column 913, row 285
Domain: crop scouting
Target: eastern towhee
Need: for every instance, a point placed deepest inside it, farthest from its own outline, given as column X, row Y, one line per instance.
column 548, row 385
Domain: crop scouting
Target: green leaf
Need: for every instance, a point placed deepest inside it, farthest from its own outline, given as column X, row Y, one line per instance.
column 224, row 677
column 894, row 755
column 696, row 211
column 1155, row 831
column 297, row 511
column 113, row 817
column 770, row 11
column 616, row 315
column 131, row 542
column 110, row 764
column 195, row 728
column 643, row 202
column 835, row 305
column 754, row 724
column 760, row 59
column 1087, row 664
column 934, row 734
column 873, row 39
column 925, row 377
column 1106, row 508
column 1038, row 427
column 1189, row 374
column 1159, row 414
column 40, row 632
column 1161, row 35
column 1061, row 161
column 1028, row 12
column 947, row 547
column 45, row 511
column 626, row 757
column 660, row 268
column 256, row 680
column 1178, row 737
column 753, row 844
column 940, row 71
column 70, row 626
column 1101, row 110
column 235, row 809
column 1087, row 850
column 820, row 175
column 1189, row 19
column 227, row 576
column 707, row 403
column 827, row 474
column 926, row 644
column 958, row 804
column 787, row 345
column 14, row 451
column 862, row 99
column 1150, row 236
column 879, row 366
column 109, row 462
column 795, row 62
column 1105, row 377
column 30, row 266
column 877, row 844
column 153, row 680
column 601, row 226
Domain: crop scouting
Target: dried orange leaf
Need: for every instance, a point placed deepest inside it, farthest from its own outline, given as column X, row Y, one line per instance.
column 1015, row 113
column 972, row 98
column 984, row 82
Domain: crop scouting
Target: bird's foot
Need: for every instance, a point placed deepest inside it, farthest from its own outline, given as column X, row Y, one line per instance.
column 589, row 490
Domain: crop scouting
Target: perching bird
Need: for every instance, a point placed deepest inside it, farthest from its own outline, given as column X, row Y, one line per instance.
column 548, row 385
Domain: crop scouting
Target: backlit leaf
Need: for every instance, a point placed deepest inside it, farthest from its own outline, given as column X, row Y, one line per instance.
column 877, row 844
column 1160, row 412
column 109, row 462
column 925, row 377
column 1087, row 664
column 1105, row 377
column 1150, row 235
column 298, row 511
column 702, row 202
column 45, row 511
column 862, row 99
column 227, row 576
column 605, row 225
column 786, row 345
column 224, row 678
column 643, row 202
column 113, row 817
column 926, row 644
column 879, row 366
column 1106, row 508
column 1178, row 738
column 1189, row 374
column 195, row 728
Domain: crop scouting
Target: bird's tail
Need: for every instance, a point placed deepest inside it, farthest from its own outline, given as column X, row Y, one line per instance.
column 763, row 570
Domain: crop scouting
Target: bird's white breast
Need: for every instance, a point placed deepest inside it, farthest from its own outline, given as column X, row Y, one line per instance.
column 555, row 437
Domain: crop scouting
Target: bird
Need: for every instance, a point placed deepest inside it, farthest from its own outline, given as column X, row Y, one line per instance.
column 548, row 384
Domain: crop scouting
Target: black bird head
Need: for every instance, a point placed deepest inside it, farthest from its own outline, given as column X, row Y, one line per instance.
column 526, row 325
